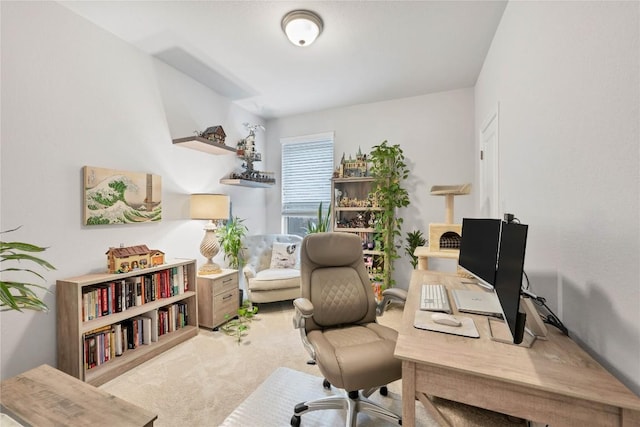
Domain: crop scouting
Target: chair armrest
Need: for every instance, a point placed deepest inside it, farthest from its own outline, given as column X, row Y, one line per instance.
column 389, row 296
column 249, row 272
column 397, row 294
column 304, row 310
column 304, row 307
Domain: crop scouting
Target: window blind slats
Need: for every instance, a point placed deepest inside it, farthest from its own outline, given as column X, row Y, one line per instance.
column 307, row 167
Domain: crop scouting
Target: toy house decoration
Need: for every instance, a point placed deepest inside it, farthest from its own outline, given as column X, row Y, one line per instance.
column 215, row 134
column 124, row 259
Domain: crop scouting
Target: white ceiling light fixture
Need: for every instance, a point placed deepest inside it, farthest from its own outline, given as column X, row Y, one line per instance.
column 302, row 27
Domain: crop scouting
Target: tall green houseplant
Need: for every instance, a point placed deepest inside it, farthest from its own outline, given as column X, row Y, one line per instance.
column 389, row 171
column 230, row 237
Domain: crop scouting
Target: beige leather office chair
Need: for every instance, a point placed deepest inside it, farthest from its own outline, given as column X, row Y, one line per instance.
column 336, row 316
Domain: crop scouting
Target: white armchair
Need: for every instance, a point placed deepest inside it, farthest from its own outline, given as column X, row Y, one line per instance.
column 272, row 278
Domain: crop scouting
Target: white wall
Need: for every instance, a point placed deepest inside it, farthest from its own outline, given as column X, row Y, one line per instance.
column 435, row 133
column 567, row 78
column 75, row 95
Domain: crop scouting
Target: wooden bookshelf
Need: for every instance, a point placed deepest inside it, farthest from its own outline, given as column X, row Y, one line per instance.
column 72, row 326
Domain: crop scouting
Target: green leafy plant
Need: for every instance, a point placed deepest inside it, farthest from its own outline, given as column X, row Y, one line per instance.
column 230, row 237
column 17, row 295
column 413, row 240
column 389, row 171
column 322, row 225
column 239, row 326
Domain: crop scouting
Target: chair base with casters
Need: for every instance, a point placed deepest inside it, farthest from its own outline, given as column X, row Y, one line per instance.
column 354, row 402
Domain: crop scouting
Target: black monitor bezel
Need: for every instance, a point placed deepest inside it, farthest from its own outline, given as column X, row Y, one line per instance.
column 509, row 272
column 482, row 269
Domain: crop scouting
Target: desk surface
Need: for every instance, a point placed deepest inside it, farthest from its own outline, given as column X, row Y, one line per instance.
column 45, row 396
column 454, row 366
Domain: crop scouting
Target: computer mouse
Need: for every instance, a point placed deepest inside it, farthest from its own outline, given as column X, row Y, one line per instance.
column 445, row 319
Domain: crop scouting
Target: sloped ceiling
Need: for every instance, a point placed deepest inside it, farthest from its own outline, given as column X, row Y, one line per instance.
column 369, row 51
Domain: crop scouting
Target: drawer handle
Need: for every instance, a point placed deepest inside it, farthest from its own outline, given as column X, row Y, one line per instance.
column 227, row 280
column 227, row 297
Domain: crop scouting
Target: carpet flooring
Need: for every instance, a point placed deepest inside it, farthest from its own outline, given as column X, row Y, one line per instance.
column 203, row 380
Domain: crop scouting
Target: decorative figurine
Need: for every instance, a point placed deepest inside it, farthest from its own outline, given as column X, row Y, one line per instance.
column 353, row 168
column 214, row 133
column 246, row 150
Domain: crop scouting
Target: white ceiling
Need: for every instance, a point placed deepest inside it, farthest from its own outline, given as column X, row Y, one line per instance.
column 369, row 51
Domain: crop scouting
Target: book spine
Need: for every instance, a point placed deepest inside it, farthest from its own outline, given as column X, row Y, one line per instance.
column 85, row 306
column 167, row 283
column 117, row 328
column 185, row 276
column 138, row 285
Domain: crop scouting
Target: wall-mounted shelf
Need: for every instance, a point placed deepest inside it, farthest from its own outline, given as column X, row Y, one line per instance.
column 245, row 183
column 203, row 144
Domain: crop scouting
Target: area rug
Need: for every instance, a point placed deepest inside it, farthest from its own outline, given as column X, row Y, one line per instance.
column 272, row 403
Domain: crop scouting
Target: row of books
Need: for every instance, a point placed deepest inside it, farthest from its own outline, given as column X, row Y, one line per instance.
column 118, row 295
column 104, row 344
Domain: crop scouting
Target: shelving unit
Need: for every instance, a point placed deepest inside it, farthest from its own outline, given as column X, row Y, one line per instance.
column 245, row 183
column 72, row 328
column 203, row 144
column 353, row 213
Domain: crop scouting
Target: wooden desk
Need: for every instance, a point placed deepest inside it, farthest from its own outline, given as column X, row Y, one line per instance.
column 45, row 396
column 554, row 381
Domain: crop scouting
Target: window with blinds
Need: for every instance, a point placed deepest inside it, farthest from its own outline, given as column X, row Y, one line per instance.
column 307, row 167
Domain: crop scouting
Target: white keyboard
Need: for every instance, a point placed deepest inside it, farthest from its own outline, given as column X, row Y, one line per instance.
column 434, row 298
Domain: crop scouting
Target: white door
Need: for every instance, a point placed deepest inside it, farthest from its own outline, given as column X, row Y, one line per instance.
column 489, row 167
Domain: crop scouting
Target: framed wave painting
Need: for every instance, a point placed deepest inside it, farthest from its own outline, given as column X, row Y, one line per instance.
column 119, row 197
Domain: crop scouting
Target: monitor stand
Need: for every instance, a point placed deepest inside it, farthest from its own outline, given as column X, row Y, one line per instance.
column 500, row 332
column 534, row 323
column 534, row 326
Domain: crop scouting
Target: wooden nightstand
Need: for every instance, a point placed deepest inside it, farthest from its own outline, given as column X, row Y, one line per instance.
column 219, row 298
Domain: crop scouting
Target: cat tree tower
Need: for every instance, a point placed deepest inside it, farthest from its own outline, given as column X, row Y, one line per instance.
column 444, row 238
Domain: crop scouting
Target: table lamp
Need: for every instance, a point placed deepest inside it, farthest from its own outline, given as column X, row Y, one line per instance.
column 213, row 207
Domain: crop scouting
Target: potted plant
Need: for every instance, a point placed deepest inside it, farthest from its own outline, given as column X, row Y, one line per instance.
column 230, row 237
column 389, row 171
column 18, row 295
column 324, row 222
column 413, row 240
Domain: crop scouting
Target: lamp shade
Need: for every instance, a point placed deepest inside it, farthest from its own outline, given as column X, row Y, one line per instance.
column 302, row 27
column 209, row 206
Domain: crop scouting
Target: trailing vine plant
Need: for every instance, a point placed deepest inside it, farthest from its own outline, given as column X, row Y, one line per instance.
column 239, row 326
column 389, row 171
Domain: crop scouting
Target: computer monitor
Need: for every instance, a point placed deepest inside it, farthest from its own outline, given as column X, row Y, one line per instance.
column 479, row 248
column 508, row 280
